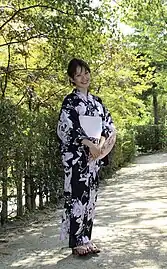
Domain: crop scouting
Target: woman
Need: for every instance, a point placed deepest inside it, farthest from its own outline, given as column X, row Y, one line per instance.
column 81, row 112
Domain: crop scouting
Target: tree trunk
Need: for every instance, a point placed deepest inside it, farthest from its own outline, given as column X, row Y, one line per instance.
column 156, row 121
column 27, row 188
column 4, row 211
column 30, row 190
column 18, row 174
column 19, row 197
column 53, row 197
column 155, row 108
column 40, row 197
column 47, row 199
column 33, row 194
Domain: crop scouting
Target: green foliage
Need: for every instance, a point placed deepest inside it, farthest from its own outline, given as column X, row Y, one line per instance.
column 150, row 138
column 37, row 40
column 148, row 20
column 122, row 153
column 9, row 115
column 26, row 135
column 120, row 85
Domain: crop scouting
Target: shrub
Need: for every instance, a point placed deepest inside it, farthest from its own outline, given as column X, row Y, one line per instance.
column 150, row 138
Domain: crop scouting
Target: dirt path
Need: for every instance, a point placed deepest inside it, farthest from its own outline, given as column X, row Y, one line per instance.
column 130, row 226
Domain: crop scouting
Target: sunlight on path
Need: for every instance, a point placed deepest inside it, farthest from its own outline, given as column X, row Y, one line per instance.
column 130, row 226
column 134, row 209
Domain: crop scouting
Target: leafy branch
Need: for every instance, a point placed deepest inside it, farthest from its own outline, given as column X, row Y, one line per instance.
column 35, row 6
column 37, row 36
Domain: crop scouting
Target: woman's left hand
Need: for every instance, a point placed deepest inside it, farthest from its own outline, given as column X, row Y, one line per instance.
column 99, row 147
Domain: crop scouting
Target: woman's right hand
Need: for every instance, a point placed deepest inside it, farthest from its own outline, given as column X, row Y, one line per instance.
column 94, row 149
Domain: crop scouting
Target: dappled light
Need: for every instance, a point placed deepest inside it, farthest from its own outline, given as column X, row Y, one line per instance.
column 130, row 225
column 124, row 44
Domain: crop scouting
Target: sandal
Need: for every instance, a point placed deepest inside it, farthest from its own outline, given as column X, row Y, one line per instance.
column 93, row 248
column 80, row 250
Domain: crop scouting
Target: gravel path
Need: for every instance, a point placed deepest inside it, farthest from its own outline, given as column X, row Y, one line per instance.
column 130, row 226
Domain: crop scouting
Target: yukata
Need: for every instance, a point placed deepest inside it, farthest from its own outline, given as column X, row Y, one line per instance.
column 81, row 173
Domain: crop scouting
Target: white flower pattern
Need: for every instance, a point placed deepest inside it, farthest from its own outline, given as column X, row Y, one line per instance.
column 78, row 209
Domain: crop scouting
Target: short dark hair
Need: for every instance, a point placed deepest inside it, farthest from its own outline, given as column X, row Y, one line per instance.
column 73, row 64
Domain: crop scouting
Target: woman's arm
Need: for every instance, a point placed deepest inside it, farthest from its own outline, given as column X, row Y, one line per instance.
column 68, row 128
column 108, row 127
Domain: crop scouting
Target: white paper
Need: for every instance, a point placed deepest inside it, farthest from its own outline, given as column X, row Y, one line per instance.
column 91, row 125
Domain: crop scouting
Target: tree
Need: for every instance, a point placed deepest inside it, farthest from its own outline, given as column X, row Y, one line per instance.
column 149, row 20
column 36, row 41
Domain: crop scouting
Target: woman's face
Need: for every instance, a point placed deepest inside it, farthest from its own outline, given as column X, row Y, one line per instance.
column 81, row 78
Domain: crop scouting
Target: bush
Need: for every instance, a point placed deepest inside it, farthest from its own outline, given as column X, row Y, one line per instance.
column 122, row 153
column 150, row 138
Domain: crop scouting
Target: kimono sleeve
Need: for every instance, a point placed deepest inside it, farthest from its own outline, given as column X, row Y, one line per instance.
column 107, row 123
column 68, row 129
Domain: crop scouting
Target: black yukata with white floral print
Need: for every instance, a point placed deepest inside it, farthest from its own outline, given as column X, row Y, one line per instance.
column 81, row 173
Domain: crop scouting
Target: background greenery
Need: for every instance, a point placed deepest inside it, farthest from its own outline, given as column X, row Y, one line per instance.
column 37, row 40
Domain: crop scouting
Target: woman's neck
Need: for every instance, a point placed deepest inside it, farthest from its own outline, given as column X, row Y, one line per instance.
column 83, row 91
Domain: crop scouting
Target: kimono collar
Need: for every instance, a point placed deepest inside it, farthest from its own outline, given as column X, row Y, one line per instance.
column 81, row 95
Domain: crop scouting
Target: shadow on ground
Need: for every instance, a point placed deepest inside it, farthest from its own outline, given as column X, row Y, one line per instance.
column 130, row 226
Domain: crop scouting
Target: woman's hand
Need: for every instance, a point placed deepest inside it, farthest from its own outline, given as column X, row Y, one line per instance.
column 95, row 151
column 110, row 143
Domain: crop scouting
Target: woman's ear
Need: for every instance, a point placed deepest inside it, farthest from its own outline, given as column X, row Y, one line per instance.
column 71, row 81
